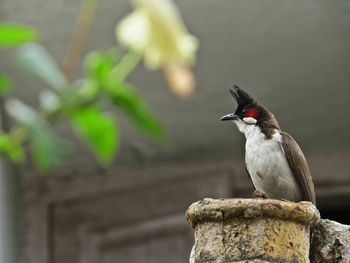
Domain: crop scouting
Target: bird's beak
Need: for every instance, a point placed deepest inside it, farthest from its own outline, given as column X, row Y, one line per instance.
column 228, row 117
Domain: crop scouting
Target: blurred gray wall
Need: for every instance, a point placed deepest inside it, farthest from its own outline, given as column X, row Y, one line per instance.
column 293, row 56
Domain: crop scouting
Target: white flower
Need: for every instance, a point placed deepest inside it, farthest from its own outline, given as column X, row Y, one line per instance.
column 155, row 31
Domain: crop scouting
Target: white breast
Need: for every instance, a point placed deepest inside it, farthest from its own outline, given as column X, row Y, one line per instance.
column 267, row 165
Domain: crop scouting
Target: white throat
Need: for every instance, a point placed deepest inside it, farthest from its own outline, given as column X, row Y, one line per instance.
column 249, row 130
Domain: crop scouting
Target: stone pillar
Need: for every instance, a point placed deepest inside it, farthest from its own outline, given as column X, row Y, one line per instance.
column 251, row 230
column 330, row 242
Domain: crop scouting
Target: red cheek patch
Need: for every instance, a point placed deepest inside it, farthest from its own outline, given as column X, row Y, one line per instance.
column 253, row 113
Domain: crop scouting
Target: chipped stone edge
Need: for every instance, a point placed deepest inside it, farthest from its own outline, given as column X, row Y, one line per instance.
column 250, row 208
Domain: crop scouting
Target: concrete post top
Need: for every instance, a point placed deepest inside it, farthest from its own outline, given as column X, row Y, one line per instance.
column 222, row 209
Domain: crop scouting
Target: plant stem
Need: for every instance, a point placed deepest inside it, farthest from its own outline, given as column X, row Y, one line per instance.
column 126, row 65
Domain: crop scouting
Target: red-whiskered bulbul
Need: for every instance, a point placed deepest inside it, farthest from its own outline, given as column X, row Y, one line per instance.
column 274, row 161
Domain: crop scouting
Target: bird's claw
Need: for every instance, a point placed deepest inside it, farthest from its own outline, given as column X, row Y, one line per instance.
column 258, row 194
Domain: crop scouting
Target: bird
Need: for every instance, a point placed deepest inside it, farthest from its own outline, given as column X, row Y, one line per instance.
column 274, row 161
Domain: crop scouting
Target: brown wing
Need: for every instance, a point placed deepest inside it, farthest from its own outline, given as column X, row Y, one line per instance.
column 299, row 166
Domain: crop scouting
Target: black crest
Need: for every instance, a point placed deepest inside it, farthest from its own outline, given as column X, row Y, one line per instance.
column 241, row 96
column 266, row 121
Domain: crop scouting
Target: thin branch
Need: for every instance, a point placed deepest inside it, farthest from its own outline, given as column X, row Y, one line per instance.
column 86, row 15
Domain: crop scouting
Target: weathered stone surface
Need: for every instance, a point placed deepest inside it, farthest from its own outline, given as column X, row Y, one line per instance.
column 253, row 230
column 330, row 242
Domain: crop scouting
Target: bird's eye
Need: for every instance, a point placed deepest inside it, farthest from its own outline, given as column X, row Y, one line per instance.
column 244, row 111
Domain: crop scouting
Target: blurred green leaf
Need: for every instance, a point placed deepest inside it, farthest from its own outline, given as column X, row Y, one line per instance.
column 11, row 149
column 38, row 62
column 125, row 97
column 13, row 35
column 99, row 130
column 5, row 84
column 100, row 67
column 20, row 111
column 47, row 150
column 99, row 64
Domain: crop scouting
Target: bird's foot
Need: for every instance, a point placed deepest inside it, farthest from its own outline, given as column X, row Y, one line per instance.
column 258, row 194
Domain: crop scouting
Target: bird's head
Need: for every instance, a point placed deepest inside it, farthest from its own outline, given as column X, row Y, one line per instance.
column 248, row 109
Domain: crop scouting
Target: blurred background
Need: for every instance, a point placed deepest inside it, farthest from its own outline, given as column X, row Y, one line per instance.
column 292, row 56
